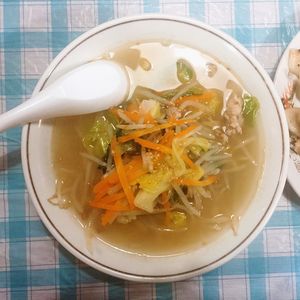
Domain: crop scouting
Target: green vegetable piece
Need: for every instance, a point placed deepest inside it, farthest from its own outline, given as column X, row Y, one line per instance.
column 111, row 118
column 97, row 140
column 195, row 90
column 178, row 218
column 168, row 94
column 198, row 89
column 250, row 109
column 185, row 72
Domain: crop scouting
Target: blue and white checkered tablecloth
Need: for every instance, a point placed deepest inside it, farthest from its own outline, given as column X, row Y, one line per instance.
column 32, row 264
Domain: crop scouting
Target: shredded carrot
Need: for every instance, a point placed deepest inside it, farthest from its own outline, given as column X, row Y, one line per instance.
column 184, row 132
column 114, row 189
column 121, row 171
column 206, row 96
column 108, row 217
column 103, row 195
column 153, row 146
column 135, row 163
column 192, row 182
column 102, row 186
column 167, row 206
column 106, row 182
column 139, row 133
column 112, row 178
column 109, row 198
column 168, row 138
column 188, row 161
column 132, row 115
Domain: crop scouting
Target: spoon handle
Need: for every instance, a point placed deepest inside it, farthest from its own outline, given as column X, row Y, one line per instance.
column 28, row 111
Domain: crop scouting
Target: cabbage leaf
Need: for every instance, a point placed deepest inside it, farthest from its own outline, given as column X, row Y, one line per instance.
column 250, row 109
column 151, row 186
column 97, row 140
column 185, row 72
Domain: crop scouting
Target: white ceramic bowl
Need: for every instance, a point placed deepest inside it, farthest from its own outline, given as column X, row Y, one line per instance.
column 36, row 150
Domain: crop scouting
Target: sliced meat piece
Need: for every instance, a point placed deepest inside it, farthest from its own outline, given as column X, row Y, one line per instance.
column 174, row 112
column 233, row 115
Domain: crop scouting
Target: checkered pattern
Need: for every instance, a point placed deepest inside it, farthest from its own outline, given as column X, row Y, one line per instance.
column 32, row 264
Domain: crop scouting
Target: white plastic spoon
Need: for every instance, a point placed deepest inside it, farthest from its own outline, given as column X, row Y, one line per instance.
column 92, row 87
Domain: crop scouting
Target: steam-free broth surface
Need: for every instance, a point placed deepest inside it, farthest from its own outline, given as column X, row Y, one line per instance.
column 222, row 203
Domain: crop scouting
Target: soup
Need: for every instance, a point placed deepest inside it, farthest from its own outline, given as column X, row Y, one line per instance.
column 172, row 167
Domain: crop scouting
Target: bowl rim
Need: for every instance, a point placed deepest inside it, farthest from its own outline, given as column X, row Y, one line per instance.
column 254, row 232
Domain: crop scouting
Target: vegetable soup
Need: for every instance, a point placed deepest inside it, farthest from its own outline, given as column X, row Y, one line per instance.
column 173, row 166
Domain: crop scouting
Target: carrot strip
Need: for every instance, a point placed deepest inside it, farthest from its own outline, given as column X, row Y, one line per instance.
column 133, row 174
column 139, row 133
column 192, row 182
column 114, row 189
column 132, row 115
column 104, row 195
column 153, row 146
column 184, row 132
column 121, row 171
column 168, row 138
column 206, row 96
column 102, row 186
column 108, row 217
column 109, row 198
column 112, row 178
column 188, row 161
column 167, row 206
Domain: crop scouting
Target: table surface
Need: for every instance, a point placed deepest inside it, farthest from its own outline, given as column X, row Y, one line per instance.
column 32, row 264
